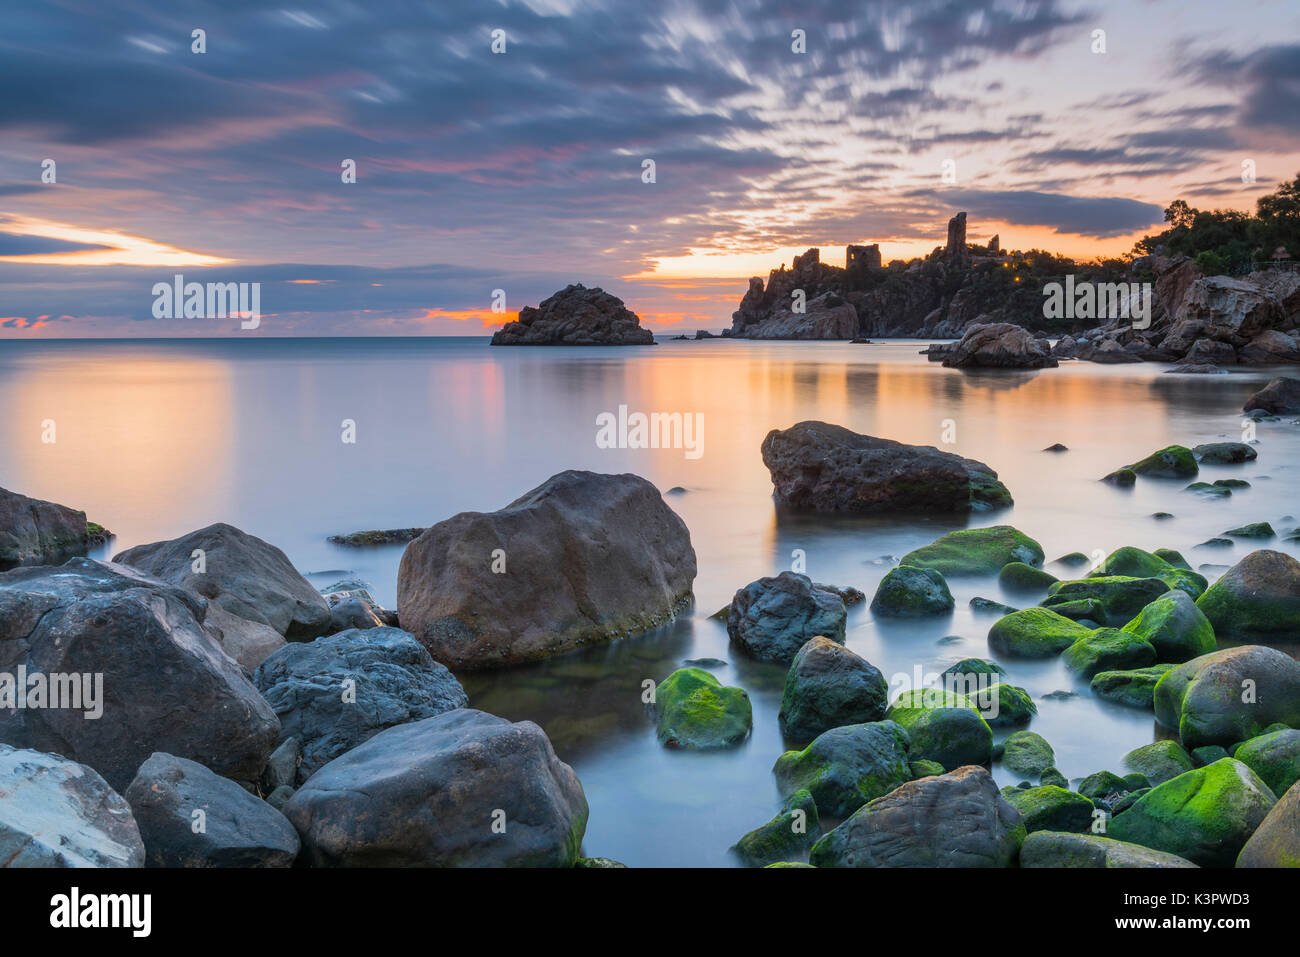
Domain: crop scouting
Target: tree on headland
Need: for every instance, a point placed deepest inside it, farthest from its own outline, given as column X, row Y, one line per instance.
column 1229, row 240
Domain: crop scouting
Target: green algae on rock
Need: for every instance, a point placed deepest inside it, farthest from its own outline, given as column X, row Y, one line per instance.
column 846, row 767
column 1276, row 842
column 1133, row 689
column 1275, row 757
column 1133, row 562
column 828, row 686
column 1205, row 815
column 1017, row 576
column 1028, row 753
column 787, row 837
column 1258, row 599
column 1230, row 695
column 1175, row 626
column 696, row 711
column 1159, row 762
column 911, row 592
column 943, row 727
column 1057, row 849
column 976, row 551
column 1034, row 633
column 1118, row 597
column 1176, row 461
column 1108, row 649
column 1051, row 808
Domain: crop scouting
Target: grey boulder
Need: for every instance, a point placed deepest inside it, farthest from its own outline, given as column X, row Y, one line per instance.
column 190, row 817
column 463, row 789
column 772, row 618
column 34, row 532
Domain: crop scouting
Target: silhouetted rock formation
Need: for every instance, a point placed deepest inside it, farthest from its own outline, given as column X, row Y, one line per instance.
column 575, row 316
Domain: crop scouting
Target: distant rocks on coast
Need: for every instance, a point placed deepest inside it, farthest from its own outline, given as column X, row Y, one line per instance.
column 995, row 345
column 575, row 316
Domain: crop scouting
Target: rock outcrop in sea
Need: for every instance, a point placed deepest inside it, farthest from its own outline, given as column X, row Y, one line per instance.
column 575, row 316
column 35, row 532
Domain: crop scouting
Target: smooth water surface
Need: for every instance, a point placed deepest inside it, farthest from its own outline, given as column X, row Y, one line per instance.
column 154, row 439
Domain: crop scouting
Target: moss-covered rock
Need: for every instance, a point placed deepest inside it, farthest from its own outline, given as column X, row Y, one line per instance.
column 846, row 767
column 1208, row 754
column 1159, row 762
column 1086, row 611
column 1133, row 689
column 1050, row 808
column 1224, row 453
column 1252, row 530
column 925, row 769
column 975, row 666
column 1034, row 633
column 1057, row 849
column 782, row 864
column 1120, row 597
column 1205, row 815
column 1275, row 757
column 696, row 711
column 1027, row 753
column 1108, row 649
column 787, row 837
column 943, row 727
column 598, row 864
column 1209, row 490
column 1172, row 555
column 1121, row 478
column 1175, row 626
column 1003, row 705
column 1258, row 599
column 1276, row 842
column 1053, row 776
column 1126, row 801
column 1103, row 784
column 1136, row 781
column 911, row 592
column 827, row 687
column 1230, row 695
column 976, row 551
column 1130, row 562
column 1176, row 461
column 1017, row 576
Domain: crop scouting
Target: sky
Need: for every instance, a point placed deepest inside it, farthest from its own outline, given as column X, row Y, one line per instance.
column 503, row 144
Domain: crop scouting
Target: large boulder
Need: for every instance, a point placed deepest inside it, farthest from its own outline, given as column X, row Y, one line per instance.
column 1027, row 753
column 1205, row 815
column 190, row 817
column 1051, row 808
column 337, row 691
column 697, row 712
column 1276, row 842
column 1108, row 649
column 1134, row 688
column 463, row 789
column 1280, row 397
column 33, row 532
column 58, row 813
column 787, row 837
column 846, row 767
column 1229, row 696
column 575, row 316
column 166, row 684
column 772, row 618
column 587, row 558
column 976, row 551
column 827, row 687
column 999, row 345
column 1057, row 849
column 1175, row 627
column 1159, row 761
column 240, row 573
column 1258, row 599
column 1222, row 309
column 827, row 468
column 1130, row 562
column 949, row 820
column 1176, row 461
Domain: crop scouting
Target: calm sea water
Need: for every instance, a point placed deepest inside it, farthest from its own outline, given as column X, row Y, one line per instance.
column 154, row 439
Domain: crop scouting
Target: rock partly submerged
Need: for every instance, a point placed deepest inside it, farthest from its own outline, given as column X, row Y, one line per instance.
column 772, row 618
column 575, row 316
column 582, row 559
column 1230, row 695
column 996, row 345
column 1056, row 849
column 827, row 687
column 828, row 468
column 697, row 712
column 35, row 532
